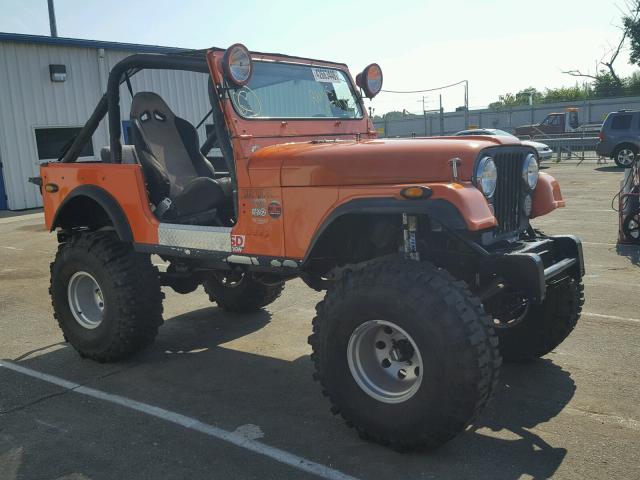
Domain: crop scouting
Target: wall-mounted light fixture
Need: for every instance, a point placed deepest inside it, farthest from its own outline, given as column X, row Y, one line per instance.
column 58, row 73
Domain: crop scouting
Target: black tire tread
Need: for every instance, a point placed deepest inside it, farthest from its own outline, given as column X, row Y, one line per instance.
column 626, row 226
column 137, row 285
column 248, row 298
column 416, row 277
column 548, row 324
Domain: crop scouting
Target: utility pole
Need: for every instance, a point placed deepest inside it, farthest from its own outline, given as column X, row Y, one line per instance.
column 52, row 19
column 533, row 120
column 466, row 104
column 424, row 113
column 441, row 118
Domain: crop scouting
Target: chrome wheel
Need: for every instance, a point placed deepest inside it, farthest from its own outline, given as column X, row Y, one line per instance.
column 626, row 157
column 631, row 226
column 385, row 361
column 85, row 300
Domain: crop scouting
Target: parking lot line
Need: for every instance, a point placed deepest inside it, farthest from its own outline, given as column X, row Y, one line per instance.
column 611, row 317
column 233, row 438
column 11, row 248
column 600, row 243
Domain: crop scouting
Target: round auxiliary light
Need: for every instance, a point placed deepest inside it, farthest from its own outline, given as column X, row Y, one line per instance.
column 527, row 205
column 237, row 64
column 530, row 171
column 486, row 176
column 370, row 80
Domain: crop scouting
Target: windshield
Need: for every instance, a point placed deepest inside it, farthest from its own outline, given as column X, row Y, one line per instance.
column 282, row 90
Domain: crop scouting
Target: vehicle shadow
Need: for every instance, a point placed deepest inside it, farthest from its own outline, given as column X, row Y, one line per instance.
column 632, row 252
column 197, row 368
column 530, row 395
column 613, row 168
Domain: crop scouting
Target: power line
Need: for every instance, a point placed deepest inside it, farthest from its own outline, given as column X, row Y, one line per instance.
column 427, row 90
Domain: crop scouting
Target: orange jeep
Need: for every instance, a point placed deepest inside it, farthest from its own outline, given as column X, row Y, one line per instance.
column 432, row 270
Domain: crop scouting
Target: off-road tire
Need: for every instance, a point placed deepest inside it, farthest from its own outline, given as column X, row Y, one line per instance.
column 630, row 227
column 248, row 296
column 617, row 152
column 450, row 328
column 545, row 326
column 131, row 290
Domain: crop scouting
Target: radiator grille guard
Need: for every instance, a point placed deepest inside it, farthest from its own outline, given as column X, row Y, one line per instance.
column 510, row 189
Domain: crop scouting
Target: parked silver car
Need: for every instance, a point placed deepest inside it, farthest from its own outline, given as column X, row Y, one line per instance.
column 544, row 151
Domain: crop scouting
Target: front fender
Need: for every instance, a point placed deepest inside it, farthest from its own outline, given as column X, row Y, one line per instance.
column 456, row 206
column 468, row 201
column 547, row 196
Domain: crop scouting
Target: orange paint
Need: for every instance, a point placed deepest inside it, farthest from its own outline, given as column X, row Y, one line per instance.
column 547, row 196
column 310, row 216
column 261, row 220
column 123, row 182
column 291, row 174
column 371, row 162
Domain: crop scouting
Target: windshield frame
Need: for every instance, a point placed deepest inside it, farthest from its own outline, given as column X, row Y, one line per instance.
column 354, row 91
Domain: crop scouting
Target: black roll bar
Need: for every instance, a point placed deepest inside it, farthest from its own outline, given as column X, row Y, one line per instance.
column 110, row 101
column 139, row 62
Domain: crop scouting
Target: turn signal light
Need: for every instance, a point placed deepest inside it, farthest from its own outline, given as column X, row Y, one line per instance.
column 51, row 187
column 416, row 192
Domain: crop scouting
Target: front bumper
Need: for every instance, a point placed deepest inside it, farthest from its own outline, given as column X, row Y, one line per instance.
column 529, row 266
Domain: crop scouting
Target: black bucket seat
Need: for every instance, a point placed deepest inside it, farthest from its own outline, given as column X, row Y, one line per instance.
column 181, row 181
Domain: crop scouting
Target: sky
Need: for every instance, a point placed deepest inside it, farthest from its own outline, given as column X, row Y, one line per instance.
column 499, row 46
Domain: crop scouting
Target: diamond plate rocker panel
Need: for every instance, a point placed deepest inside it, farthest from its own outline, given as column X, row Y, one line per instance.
column 195, row 236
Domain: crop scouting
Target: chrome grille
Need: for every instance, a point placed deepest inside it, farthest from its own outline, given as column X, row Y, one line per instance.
column 509, row 190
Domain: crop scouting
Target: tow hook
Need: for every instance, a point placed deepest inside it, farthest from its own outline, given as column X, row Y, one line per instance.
column 409, row 228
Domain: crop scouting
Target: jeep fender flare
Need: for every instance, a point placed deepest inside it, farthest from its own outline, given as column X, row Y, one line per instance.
column 104, row 200
column 439, row 209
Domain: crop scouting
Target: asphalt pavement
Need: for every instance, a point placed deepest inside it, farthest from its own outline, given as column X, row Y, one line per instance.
column 220, row 395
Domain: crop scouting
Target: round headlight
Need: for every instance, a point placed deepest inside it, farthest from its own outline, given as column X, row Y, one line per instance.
column 237, row 64
column 370, row 80
column 486, row 176
column 530, row 171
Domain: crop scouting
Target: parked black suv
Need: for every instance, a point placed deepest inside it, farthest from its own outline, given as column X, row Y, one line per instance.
column 620, row 137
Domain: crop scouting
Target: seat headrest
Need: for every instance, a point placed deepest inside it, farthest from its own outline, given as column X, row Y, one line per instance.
column 149, row 106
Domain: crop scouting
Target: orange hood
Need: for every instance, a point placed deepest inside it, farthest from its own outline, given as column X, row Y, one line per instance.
column 374, row 162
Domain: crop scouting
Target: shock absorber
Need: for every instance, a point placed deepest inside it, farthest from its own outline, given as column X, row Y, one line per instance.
column 409, row 229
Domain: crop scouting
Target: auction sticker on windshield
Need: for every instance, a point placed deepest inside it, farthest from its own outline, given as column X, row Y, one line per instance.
column 326, row 75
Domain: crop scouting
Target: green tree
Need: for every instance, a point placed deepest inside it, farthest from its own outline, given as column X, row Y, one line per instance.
column 520, row 98
column 566, row 94
column 631, row 25
column 632, row 84
column 606, row 85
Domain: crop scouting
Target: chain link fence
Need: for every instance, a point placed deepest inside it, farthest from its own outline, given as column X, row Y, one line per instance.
column 575, row 145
